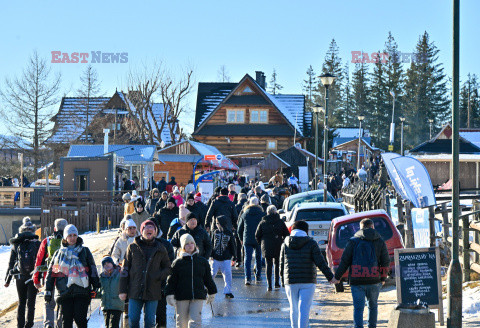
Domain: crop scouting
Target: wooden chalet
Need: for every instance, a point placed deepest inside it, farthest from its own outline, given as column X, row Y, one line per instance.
column 242, row 118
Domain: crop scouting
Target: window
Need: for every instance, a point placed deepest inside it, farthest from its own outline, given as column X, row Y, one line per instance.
column 235, row 116
column 271, row 144
column 258, row 116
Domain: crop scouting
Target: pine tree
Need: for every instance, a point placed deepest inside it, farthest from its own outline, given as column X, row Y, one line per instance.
column 379, row 118
column 469, row 97
column 274, row 86
column 90, row 88
column 348, row 105
column 426, row 93
column 333, row 65
column 360, row 93
column 309, row 87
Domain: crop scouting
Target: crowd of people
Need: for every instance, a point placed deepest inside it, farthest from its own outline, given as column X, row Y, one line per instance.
column 168, row 251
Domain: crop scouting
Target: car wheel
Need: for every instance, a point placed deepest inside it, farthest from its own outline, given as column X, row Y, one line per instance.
column 339, row 288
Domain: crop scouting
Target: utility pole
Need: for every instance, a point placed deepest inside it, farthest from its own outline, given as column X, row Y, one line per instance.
column 454, row 285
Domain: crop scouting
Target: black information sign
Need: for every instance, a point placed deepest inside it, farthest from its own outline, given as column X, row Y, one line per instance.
column 417, row 272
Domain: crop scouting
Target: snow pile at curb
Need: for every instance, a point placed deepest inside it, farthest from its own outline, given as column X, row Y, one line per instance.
column 471, row 299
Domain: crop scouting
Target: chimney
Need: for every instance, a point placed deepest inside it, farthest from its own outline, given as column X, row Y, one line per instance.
column 260, row 78
column 105, row 141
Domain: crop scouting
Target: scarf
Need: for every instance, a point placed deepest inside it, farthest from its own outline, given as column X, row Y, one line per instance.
column 67, row 263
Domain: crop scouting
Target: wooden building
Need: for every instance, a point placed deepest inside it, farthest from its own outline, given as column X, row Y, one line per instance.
column 179, row 161
column 242, row 118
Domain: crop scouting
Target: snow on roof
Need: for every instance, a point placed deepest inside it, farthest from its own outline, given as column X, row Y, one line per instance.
column 212, row 101
column 70, row 121
column 447, row 157
column 471, row 136
column 204, row 149
column 130, row 153
column 350, row 132
column 294, row 104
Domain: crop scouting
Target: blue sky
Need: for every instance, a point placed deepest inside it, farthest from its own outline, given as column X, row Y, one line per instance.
column 245, row 36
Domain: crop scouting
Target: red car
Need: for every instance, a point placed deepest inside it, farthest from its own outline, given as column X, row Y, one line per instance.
column 344, row 227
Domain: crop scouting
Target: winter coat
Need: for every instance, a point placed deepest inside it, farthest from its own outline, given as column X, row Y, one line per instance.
column 202, row 240
column 162, row 186
column 299, row 259
column 270, row 234
column 200, row 211
column 120, row 247
column 175, row 225
column 168, row 246
column 223, row 245
column 59, row 280
column 191, row 274
column 142, row 279
column 150, row 205
column 164, row 217
column 42, row 256
column 222, row 206
column 248, row 223
column 109, row 291
column 277, row 201
column 239, row 206
column 160, row 204
column 264, row 207
column 129, row 208
column 140, row 217
column 381, row 252
column 28, row 244
column 178, row 199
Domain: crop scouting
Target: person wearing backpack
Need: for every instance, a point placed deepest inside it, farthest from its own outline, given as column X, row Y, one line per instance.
column 24, row 250
column 45, row 253
column 366, row 257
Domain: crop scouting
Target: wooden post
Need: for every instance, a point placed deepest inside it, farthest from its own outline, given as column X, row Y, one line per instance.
column 476, row 240
column 431, row 222
column 446, row 224
column 466, row 247
column 409, row 240
column 98, row 223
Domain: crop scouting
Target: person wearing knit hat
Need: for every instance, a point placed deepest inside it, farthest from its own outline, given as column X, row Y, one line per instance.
column 127, row 236
column 199, row 234
column 178, row 197
column 47, row 248
column 145, row 267
column 188, row 284
column 198, row 208
column 112, row 305
column 140, row 213
column 179, row 222
column 78, row 278
column 129, row 204
column 166, row 215
column 198, row 197
column 24, row 248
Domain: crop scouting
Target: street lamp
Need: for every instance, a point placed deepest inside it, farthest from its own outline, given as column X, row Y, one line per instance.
column 431, row 122
column 392, row 125
column 327, row 81
column 360, row 118
column 317, row 109
column 402, row 119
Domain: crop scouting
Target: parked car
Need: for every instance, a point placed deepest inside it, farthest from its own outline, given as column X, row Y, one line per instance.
column 314, row 196
column 343, row 228
column 319, row 217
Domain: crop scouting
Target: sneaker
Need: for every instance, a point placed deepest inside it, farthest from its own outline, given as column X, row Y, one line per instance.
column 248, row 282
column 269, row 289
column 229, row 295
column 277, row 286
column 258, row 280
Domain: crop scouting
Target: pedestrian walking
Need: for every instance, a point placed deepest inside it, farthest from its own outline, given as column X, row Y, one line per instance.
column 221, row 206
column 145, row 266
column 270, row 234
column 161, row 202
column 367, row 261
column 265, row 202
column 300, row 257
column 178, row 223
column 223, row 251
column 23, row 253
column 247, row 226
column 189, row 284
column 74, row 275
column 48, row 247
column 112, row 305
column 140, row 213
column 165, row 216
column 126, row 238
column 152, row 201
column 177, row 196
column 161, row 314
column 198, row 208
column 170, row 184
column 202, row 239
column 129, row 205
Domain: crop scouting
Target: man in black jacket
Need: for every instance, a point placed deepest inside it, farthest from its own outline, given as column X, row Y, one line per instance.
column 199, row 234
column 222, row 206
column 366, row 255
column 197, row 208
column 166, row 215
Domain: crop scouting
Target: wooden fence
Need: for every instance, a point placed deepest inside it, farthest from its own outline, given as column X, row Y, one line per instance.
column 7, row 196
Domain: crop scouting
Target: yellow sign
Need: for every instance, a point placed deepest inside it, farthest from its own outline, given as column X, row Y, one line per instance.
column 390, row 147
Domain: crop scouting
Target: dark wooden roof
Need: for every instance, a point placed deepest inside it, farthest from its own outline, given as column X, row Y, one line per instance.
column 444, row 146
column 277, row 130
column 209, row 96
